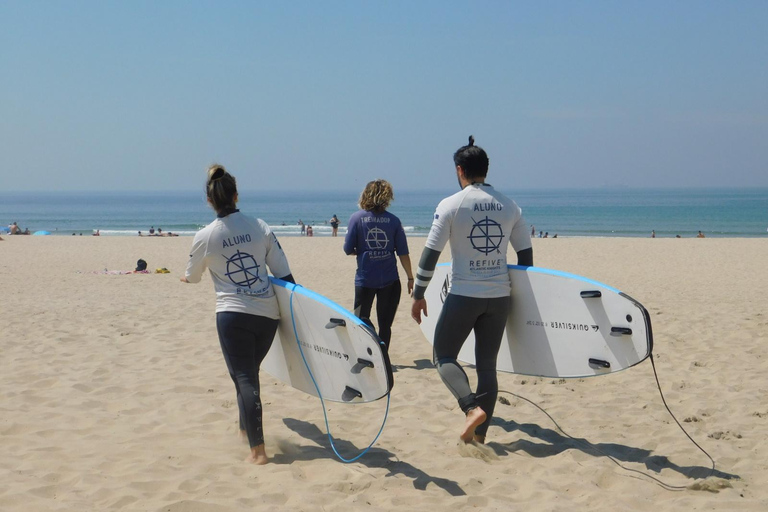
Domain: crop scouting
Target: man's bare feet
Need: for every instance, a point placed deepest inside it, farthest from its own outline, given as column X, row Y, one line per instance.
column 474, row 418
column 258, row 455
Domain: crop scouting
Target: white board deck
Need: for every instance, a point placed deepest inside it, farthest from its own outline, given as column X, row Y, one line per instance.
column 348, row 361
column 560, row 325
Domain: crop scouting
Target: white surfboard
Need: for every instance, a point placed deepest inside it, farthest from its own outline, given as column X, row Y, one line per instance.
column 347, row 359
column 560, row 325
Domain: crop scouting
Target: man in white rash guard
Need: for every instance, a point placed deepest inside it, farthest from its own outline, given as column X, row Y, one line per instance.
column 478, row 222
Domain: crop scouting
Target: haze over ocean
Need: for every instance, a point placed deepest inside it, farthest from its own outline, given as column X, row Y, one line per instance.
column 585, row 212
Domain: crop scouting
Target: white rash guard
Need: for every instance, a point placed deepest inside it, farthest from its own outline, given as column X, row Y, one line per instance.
column 237, row 250
column 479, row 222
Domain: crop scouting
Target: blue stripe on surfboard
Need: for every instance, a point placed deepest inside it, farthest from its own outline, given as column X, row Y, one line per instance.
column 317, row 298
column 558, row 273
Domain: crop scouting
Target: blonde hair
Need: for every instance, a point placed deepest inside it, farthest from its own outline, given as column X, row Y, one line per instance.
column 220, row 188
column 376, row 196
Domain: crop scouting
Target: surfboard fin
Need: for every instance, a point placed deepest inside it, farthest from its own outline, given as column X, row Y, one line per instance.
column 335, row 322
column 589, row 294
column 350, row 394
column 621, row 330
column 365, row 362
column 599, row 363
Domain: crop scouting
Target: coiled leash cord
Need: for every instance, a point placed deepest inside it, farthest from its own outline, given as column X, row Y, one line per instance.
column 322, row 402
column 613, row 459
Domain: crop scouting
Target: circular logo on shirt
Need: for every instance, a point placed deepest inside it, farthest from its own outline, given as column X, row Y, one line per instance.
column 486, row 235
column 376, row 239
column 242, row 269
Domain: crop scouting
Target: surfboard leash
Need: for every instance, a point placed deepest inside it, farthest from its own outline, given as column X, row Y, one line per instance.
column 322, row 401
column 611, row 457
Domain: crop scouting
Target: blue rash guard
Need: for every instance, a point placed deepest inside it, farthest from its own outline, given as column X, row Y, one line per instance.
column 376, row 238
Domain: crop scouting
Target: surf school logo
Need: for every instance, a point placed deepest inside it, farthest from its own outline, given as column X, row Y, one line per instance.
column 486, row 235
column 376, row 239
column 243, row 270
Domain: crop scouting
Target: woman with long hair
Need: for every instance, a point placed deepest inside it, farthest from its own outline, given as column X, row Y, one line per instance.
column 237, row 250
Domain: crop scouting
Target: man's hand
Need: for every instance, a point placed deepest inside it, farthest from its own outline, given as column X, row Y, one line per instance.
column 416, row 309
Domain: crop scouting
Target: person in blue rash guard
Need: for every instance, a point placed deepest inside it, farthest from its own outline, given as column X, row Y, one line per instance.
column 478, row 222
column 375, row 236
column 237, row 250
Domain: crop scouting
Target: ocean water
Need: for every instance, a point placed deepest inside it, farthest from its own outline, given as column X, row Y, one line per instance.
column 567, row 213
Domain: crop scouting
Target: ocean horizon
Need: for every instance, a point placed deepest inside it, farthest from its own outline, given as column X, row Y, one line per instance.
column 598, row 212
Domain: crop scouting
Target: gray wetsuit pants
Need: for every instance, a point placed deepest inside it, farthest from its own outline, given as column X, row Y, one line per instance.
column 459, row 316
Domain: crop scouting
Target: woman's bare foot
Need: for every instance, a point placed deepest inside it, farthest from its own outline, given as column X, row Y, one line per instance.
column 474, row 418
column 258, row 455
column 479, row 439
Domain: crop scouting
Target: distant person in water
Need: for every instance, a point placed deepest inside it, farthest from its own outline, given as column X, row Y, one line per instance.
column 246, row 309
column 653, row 233
column 376, row 237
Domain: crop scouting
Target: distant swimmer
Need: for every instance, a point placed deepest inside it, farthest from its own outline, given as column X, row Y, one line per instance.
column 479, row 297
column 334, row 225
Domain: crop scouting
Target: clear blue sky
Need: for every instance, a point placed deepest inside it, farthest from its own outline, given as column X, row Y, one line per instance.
column 137, row 95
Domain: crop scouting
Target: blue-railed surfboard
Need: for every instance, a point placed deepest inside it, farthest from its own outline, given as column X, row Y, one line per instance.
column 347, row 359
column 560, row 325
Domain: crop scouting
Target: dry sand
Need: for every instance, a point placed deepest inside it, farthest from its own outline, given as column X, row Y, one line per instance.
column 114, row 394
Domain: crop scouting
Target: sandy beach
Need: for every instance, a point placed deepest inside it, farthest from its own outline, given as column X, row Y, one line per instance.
column 114, row 394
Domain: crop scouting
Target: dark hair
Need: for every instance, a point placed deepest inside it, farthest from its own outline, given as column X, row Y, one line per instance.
column 472, row 159
column 220, row 188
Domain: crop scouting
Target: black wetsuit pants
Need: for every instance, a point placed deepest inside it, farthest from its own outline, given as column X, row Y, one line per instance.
column 245, row 340
column 387, row 300
column 459, row 316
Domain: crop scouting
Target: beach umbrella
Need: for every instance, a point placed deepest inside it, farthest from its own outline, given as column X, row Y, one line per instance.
column 42, row 233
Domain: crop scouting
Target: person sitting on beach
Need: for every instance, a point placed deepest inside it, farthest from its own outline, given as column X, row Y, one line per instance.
column 310, row 231
column 247, row 312
column 152, row 230
column 376, row 236
column 97, row 233
column 14, row 229
column 479, row 297
column 700, row 235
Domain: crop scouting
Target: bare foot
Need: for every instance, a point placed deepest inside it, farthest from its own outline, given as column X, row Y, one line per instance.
column 474, row 418
column 258, row 455
column 479, row 439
